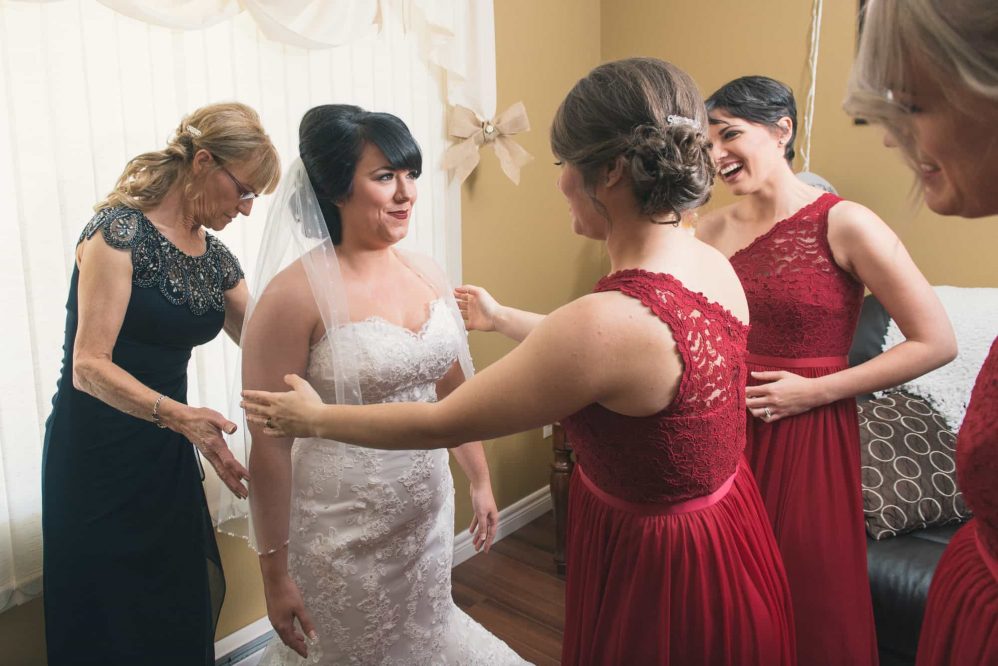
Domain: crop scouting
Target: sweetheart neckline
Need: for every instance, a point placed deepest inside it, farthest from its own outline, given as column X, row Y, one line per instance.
column 377, row 319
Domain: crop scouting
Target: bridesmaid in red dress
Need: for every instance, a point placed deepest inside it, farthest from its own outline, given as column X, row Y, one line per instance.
column 671, row 559
column 803, row 257
column 940, row 63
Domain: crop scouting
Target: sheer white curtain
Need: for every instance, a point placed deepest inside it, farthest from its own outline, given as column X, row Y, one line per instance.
column 85, row 85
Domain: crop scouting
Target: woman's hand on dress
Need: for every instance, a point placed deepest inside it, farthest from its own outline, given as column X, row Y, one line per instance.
column 785, row 394
column 283, row 414
column 477, row 307
column 204, row 428
column 486, row 517
column 284, row 605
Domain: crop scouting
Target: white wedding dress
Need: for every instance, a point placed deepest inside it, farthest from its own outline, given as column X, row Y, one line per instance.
column 372, row 532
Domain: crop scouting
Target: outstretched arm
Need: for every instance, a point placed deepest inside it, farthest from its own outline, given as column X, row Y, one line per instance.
column 482, row 312
column 558, row 369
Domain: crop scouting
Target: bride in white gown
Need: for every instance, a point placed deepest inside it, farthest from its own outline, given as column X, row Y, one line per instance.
column 356, row 545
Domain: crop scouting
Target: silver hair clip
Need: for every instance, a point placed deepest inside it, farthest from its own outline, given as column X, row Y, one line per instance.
column 682, row 120
column 196, row 133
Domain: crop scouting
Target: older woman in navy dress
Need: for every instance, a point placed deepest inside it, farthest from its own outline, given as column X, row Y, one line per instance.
column 132, row 571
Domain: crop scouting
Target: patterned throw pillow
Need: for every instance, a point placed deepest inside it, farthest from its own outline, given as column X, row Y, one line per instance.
column 908, row 467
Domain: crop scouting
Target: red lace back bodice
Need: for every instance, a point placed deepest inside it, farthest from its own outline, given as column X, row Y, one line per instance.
column 692, row 446
column 801, row 303
column 977, row 452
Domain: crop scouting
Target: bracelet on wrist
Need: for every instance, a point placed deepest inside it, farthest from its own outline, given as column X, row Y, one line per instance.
column 275, row 550
column 155, row 412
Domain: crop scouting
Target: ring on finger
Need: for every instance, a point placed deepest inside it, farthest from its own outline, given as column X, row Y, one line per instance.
column 769, row 414
column 270, row 424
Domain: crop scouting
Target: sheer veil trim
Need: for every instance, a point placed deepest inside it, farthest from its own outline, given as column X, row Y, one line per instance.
column 296, row 231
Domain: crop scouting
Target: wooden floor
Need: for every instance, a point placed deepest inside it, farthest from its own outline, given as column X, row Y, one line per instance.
column 515, row 593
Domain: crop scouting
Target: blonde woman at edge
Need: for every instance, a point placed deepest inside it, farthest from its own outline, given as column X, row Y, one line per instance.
column 927, row 71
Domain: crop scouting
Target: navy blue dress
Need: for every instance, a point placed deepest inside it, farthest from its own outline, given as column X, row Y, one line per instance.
column 132, row 571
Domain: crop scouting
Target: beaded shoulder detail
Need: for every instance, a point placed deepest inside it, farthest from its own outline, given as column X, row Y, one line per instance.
column 198, row 282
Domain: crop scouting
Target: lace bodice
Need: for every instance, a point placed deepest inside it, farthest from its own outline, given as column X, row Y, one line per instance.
column 801, row 303
column 692, row 446
column 977, row 452
column 372, row 532
column 394, row 364
column 199, row 282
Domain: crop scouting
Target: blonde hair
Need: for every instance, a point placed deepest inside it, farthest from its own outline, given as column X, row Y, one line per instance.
column 956, row 39
column 231, row 132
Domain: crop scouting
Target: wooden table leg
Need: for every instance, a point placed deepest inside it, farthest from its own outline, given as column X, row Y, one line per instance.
column 561, row 472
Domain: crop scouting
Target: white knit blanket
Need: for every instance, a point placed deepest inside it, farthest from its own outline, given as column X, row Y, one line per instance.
column 974, row 313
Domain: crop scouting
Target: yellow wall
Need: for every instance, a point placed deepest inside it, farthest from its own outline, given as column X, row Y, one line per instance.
column 517, row 241
column 724, row 39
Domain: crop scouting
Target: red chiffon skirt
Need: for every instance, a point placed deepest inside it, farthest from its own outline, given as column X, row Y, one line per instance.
column 655, row 585
column 808, row 470
column 961, row 616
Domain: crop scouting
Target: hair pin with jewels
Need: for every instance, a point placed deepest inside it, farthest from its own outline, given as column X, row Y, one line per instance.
column 683, row 120
column 193, row 131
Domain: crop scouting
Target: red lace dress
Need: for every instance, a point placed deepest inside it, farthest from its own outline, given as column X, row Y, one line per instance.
column 961, row 616
column 670, row 557
column 803, row 312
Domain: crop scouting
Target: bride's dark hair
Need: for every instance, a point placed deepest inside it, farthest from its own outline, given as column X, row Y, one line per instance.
column 331, row 139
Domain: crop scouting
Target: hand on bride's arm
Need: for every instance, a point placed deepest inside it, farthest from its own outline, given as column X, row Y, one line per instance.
column 284, row 606
column 485, row 520
column 290, row 414
column 481, row 312
column 477, row 307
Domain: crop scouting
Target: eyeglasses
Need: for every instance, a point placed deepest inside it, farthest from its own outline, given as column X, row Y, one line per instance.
column 245, row 193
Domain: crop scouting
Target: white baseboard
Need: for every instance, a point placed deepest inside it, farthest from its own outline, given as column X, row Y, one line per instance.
column 235, row 646
column 241, row 643
column 512, row 518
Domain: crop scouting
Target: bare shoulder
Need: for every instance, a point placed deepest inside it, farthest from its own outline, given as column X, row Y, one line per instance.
column 851, row 224
column 856, row 233
column 595, row 321
column 290, row 284
column 590, row 314
column 847, row 218
column 288, row 298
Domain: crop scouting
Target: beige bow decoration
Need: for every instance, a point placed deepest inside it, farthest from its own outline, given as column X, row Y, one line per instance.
column 465, row 124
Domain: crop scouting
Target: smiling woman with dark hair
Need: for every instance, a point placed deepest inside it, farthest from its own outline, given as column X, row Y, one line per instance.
column 804, row 257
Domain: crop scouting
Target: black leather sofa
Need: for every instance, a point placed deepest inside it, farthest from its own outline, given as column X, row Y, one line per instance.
column 900, row 572
column 900, row 567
